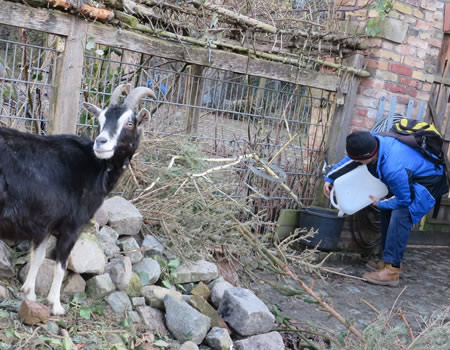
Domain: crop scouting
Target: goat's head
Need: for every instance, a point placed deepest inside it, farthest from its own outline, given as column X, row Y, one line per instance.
column 120, row 128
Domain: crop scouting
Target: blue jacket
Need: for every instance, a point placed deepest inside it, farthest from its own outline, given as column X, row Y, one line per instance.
column 402, row 169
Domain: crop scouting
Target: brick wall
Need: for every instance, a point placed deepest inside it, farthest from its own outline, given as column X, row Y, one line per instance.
column 402, row 63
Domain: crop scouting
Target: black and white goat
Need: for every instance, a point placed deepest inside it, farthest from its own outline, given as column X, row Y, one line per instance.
column 54, row 184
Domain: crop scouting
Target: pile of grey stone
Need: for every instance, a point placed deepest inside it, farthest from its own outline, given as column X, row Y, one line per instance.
column 124, row 269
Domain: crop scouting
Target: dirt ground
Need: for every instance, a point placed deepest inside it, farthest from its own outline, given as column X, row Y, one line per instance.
column 424, row 289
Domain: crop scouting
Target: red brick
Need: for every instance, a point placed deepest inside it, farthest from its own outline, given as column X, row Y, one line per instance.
column 387, row 45
column 398, row 89
column 424, row 25
column 424, row 96
column 429, row 5
column 435, row 42
column 427, row 87
column 412, row 92
column 411, row 82
column 406, row 49
column 383, row 65
column 373, row 83
column 403, row 100
column 361, row 123
column 447, row 18
column 421, row 53
column 362, row 112
column 414, row 62
column 413, row 2
column 401, row 69
column 417, row 42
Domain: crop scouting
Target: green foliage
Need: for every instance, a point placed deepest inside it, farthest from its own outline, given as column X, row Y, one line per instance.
column 79, row 304
column 382, row 7
column 283, row 319
column 169, row 274
column 161, row 344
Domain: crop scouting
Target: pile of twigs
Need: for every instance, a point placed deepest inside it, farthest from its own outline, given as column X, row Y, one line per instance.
column 186, row 201
column 188, row 206
column 308, row 34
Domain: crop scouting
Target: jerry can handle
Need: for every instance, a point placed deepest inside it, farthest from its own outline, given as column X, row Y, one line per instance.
column 333, row 203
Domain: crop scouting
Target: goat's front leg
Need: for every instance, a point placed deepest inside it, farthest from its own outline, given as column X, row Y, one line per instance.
column 54, row 295
column 64, row 245
column 37, row 257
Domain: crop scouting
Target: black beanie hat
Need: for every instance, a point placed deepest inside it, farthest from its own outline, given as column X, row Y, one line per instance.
column 361, row 145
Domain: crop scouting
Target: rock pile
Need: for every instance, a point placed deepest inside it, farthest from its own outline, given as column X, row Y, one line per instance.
column 125, row 271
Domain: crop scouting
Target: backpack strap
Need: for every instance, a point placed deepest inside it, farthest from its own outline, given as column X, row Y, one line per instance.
column 411, row 141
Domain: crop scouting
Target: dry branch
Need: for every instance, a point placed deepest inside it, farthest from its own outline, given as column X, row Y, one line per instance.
column 210, row 25
column 281, row 265
column 248, row 21
column 129, row 23
column 101, row 14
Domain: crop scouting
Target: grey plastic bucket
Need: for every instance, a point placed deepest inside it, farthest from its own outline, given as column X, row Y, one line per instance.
column 328, row 224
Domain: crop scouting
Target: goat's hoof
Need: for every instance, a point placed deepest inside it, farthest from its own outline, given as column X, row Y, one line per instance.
column 58, row 310
column 29, row 295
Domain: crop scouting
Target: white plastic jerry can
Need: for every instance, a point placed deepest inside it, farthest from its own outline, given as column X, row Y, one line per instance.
column 352, row 190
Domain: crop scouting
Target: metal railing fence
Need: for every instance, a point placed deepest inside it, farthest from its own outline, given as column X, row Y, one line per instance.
column 227, row 114
column 25, row 85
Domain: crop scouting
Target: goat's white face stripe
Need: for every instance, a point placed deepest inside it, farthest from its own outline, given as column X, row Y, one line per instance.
column 106, row 150
column 102, row 119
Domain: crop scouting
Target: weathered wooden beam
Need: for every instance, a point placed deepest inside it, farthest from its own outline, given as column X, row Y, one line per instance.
column 195, row 100
column 45, row 20
column 213, row 58
column 65, row 102
column 56, row 22
column 340, row 125
column 441, row 80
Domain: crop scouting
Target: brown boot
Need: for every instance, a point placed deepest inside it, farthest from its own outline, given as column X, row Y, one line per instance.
column 376, row 266
column 389, row 276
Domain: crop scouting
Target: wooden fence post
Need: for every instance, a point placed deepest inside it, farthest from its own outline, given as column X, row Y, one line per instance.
column 340, row 126
column 67, row 80
column 195, row 99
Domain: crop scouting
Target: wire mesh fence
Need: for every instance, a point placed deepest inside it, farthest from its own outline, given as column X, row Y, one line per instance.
column 26, row 83
column 226, row 114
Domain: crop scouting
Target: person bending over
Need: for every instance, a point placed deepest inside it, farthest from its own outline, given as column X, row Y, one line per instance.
column 415, row 184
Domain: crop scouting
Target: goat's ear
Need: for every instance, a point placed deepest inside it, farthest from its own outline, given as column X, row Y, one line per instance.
column 142, row 116
column 94, row 110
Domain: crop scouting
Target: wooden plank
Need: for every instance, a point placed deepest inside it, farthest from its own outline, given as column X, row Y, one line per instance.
column 45, row 20
column 213, row 58
column 195, row 100
column 340, row 125
column 447, row 18
column 67, row 82
column 442, row 99
column 447, row 136
column 438, row 79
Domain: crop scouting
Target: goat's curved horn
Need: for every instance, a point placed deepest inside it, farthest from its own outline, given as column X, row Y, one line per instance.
column 136, row 94
column 123, row 88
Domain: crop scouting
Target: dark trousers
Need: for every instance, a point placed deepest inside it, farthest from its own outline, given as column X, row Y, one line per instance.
column 395, row 228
